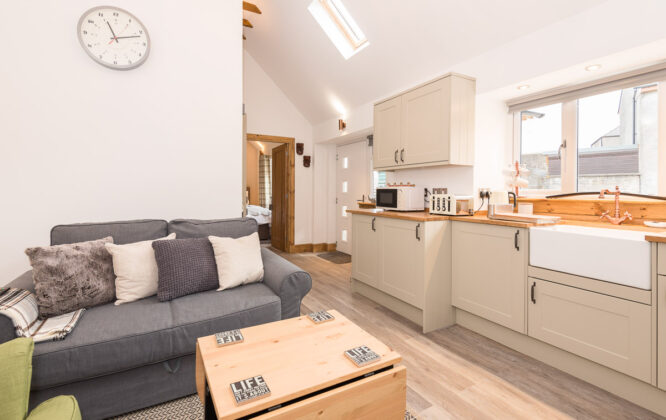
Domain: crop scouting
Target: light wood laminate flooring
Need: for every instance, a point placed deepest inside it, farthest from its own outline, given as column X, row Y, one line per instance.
column 456, row 373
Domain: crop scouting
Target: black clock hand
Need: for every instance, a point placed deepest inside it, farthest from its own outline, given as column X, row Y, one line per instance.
column 112, row 33
column 123, row 37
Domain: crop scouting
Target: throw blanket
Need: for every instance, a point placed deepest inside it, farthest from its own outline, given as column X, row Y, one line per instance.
column 21, row 307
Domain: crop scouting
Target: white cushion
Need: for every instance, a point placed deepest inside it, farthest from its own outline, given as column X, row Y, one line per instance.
column 238, row 260
column 136, row 270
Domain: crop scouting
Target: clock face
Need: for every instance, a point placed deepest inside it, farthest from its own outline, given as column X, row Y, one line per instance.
column 114, row 37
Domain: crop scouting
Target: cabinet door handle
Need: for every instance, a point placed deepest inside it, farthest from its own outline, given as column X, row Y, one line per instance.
column 532, row 293
column 395, row 156
column 402, row 155
column 418, row 226
column 373, row 224
column 515, row 241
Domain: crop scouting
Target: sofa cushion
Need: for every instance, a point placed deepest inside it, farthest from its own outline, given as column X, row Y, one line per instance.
column 110, row 339
column 210, row 312
column 15, row 371
column 72, row 276
column 124, row 232
column 135, row 268
column 62, row 407
column 184, row 267
column 238, row 260
column 191, row 228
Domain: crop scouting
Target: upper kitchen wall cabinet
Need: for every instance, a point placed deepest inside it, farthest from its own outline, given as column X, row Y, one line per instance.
column 432, row 124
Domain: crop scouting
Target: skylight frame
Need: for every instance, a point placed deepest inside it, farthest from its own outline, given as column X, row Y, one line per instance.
column 339, row 25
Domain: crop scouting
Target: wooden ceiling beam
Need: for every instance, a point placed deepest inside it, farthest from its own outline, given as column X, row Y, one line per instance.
column 251, row 7
column 247, row 23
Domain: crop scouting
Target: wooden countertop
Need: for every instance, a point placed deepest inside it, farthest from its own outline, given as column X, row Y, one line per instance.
column 656, row 238
column 414, row 216
column 651, row 234
column 424, row 216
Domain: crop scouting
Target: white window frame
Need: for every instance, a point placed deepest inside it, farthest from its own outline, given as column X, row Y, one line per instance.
column 569, row 159
column 339, row 26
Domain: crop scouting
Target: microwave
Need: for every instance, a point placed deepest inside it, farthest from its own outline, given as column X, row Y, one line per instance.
column 400, row 197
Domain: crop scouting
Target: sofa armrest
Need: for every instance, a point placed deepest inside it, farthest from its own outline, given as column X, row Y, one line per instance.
column 24, row 281
column 287, row 281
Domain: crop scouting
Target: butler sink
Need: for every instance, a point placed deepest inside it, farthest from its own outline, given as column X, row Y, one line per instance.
column 612, row 255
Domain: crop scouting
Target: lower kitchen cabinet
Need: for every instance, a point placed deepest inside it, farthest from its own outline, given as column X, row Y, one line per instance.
column 407, row 266
column 402, row 259
column 365, row 252
column 489, row 272
column 661, row 332
column 610, row 331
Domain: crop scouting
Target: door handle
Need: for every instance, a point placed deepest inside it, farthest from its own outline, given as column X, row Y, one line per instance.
column 418, row 226
column 532, row 293
column 395, row 156
column 373, row 224
column 402, row 155
column 515, row 241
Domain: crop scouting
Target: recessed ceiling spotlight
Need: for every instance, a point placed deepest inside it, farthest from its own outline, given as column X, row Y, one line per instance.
column 593, row 67
column 523, row 87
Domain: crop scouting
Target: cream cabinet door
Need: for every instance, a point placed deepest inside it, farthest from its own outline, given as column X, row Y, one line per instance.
column 387, row 129
column 607, row 330
column 489, row 272
column 426, row 123
column 661, row 332
column 365, row 249
column 402, row 260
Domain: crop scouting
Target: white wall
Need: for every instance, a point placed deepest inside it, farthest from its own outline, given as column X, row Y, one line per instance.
column 81, row 142
column 269, row 111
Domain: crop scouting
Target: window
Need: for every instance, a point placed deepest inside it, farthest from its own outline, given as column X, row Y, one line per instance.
column 540, row 139
column 339, row 26
column 609, row 139
column 378, row 181
column 617, row 141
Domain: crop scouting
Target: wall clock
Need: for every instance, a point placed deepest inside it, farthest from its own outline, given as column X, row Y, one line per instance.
column 114, row 37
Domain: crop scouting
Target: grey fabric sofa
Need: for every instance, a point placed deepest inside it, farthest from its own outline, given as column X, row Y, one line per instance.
column 126, row 357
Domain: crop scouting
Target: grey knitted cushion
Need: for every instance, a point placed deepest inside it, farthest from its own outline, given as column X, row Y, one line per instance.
column 184, row 267
column 72, row 276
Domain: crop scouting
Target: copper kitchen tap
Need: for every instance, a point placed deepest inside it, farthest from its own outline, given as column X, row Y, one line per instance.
column 616, row 220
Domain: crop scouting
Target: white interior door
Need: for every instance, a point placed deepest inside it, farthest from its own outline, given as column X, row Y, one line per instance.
column 352, row 185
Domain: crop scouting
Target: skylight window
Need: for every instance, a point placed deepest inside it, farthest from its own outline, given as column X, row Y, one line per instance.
column 340, row 27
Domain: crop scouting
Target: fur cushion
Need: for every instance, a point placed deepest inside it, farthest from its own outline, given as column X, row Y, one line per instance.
column 72, row 276
column 184, row 266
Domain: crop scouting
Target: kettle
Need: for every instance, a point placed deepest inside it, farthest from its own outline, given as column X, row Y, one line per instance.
column 499, row 203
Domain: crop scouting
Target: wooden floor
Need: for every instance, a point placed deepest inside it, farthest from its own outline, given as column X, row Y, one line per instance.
column 456, row 373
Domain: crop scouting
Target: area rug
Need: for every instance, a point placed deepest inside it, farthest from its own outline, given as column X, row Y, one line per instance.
column 336, row 257
column 186, row 408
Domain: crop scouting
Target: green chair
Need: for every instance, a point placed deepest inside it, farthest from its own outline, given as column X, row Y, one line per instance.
column 16, row 373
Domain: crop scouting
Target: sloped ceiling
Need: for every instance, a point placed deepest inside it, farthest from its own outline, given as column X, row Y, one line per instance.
column 409, row 40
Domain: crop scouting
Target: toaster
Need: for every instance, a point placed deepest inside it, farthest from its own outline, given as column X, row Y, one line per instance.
column 452, row 205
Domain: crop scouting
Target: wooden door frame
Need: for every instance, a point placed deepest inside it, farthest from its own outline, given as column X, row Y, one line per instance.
column 291, row 180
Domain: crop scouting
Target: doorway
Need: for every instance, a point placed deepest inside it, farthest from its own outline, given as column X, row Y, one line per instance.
column 353, row 172
column 270, row 188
